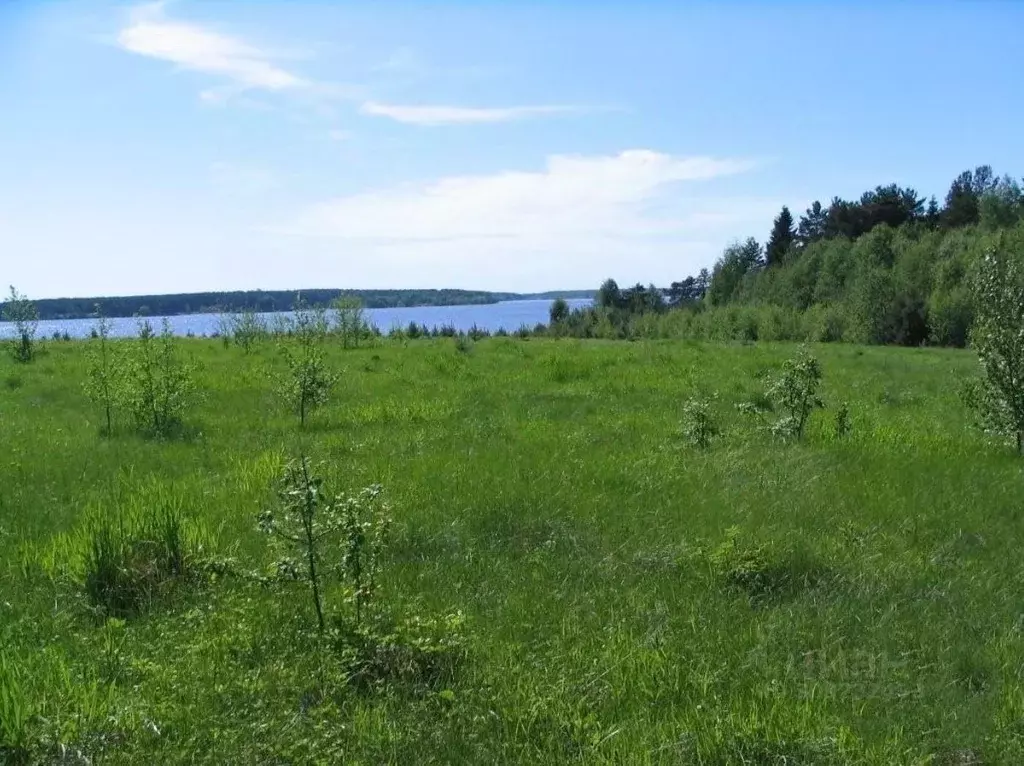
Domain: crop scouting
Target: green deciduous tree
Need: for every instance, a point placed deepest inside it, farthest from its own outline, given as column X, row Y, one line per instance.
column 159, row 386
column 21, row 312
column 308, row 381
column 998, row 338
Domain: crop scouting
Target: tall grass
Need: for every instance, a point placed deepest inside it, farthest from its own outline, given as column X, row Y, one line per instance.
column 623, row 597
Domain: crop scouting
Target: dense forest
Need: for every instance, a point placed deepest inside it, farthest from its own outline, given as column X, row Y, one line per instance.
column 273, row 300
column 887, row 268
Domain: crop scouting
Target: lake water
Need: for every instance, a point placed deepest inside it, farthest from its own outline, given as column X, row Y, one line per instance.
column 509, row 315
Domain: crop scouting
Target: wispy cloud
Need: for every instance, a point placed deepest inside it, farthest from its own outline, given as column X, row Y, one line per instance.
column 458, row 115
column 190, row 46
column 628, row 194
column 638, row 214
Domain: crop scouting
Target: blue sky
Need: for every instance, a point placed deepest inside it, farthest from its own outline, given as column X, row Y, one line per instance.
column 195, row 145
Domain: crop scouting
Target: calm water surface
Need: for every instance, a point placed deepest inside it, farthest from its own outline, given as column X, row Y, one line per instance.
column 509, row 315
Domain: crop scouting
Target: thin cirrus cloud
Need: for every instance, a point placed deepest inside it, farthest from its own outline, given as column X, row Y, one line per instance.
column 243, row 66
column 190, row 46
column 630, row 194
column 432, row 115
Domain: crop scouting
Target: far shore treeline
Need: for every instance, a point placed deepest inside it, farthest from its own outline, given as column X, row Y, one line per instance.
column 274, row 300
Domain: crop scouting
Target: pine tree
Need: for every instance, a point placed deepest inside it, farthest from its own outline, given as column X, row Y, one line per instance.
column 781, row 239
column 812, row 224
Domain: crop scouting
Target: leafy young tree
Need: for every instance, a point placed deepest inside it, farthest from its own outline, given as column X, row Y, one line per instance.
column 781, row 239
column 158, row 385
column 998, row 338
column 309, row 381
column 248, row 329
column 349, row 321
column 559, row 311
column 795, row 391
column 311, row 524
column 102, row 383
column 22, row 313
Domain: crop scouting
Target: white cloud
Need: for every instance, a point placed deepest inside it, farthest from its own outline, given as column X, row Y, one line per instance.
column 194, row 47
column 624, row 195
column 455, row 115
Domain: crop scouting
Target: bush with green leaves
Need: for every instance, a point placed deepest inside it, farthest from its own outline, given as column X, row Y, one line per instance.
column 794, row 393
column 998, row 338
column 246, row 329
column 308, row 382
column 103, row 384
column 22, row 313
column 349, row 321
column 312, row 527
column 158, row 385
column 699, row 426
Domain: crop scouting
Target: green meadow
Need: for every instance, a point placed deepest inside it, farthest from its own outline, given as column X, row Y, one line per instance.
column 567, row 579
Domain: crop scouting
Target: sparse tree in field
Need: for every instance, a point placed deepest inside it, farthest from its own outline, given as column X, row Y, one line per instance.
column 22, row 313
column 102, row 384
column 998, row 338
column 349, row 320
column 794, row 392
column 309, row 380
column 311, row 525
column 158, row 385
column 699, row 426
column 248, row 329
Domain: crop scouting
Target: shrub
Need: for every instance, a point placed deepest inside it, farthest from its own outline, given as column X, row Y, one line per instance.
column 795, row 392
column 763, row 572
column 103, row 384
column 699, row 426
column 247, row 329
column 22, row 313
column 158, row 386
column 841, row 422
column 309, row 381
column 463, row 344
column 308, row 524
column 349, row 321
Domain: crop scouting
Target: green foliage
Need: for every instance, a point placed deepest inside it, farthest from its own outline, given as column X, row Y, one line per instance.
column 311, row 526
column 562, row 523
column 794, row 393
column 349, row 322
column 781, row 239
column 699, row 426
column 998, row 338
column 559, row 311
column 22, row 313
column 246, row 329
column 309, row 381
column 158, row 386
column 104, row 384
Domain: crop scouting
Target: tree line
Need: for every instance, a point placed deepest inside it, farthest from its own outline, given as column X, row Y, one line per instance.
column 268, row 301
column 886, row 268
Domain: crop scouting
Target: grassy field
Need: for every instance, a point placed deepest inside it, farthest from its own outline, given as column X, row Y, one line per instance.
column 594, row 589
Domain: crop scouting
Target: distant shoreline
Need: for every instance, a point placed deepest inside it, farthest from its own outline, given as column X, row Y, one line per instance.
column 272, row 301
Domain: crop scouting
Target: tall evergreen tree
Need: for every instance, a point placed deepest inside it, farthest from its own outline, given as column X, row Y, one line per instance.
column 781, row 239
column 812, row 224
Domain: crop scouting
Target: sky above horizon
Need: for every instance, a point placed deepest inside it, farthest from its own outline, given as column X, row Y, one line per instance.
column 197, row 145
